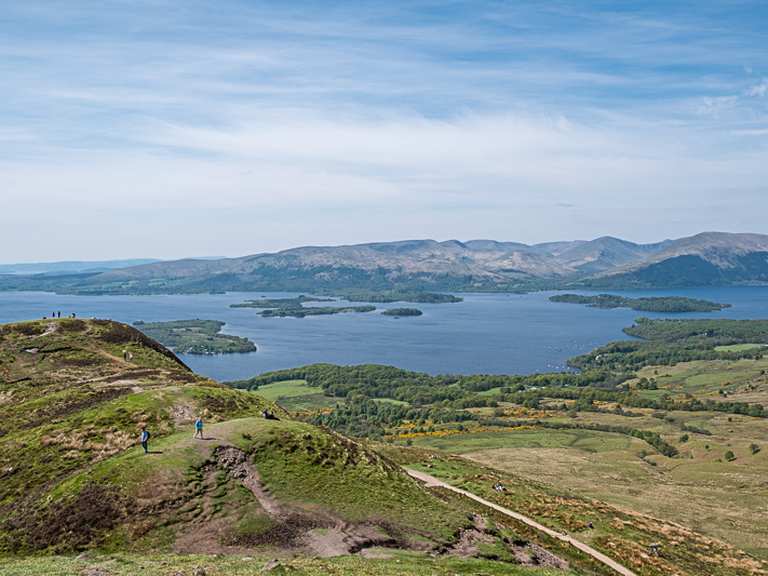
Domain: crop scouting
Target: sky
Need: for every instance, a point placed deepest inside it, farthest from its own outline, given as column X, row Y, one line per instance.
column 162, row 128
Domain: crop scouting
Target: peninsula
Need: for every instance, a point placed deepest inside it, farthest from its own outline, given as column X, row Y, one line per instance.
column 202, row 337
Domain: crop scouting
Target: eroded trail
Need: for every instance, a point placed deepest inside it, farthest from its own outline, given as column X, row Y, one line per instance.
column 431, row 481
column 322, row 533
column 236, row 463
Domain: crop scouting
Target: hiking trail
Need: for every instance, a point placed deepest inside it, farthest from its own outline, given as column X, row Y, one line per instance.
column 432, row 482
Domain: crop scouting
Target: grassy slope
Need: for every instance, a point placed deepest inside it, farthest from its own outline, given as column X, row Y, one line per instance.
column 401, row 564
column 69, row 402
column 617, row 531
column 699, row 488
column 73, row 478
column 743, row 380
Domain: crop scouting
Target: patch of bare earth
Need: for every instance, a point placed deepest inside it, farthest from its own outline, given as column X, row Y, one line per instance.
column 470, row 541
column 293, row 530
column 530, row 554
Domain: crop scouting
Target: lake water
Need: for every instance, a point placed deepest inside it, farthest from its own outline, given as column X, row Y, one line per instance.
column 487, row 333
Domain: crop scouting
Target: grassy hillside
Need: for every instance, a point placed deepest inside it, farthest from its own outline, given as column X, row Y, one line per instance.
column 616, row 529
column 74, row 395
column 394, row 564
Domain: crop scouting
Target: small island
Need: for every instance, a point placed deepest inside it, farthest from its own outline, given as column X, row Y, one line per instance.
column 294, row 307
column 202, row 337
column 280, row 302
column 402, row 312
column 303, row 311
column 670, row 304
column 390, row 296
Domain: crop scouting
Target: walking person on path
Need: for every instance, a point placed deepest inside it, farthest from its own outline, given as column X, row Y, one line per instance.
column 144, row 439
column 199, row 428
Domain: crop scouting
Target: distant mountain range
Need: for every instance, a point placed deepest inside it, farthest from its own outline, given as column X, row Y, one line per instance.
column 70, row 267
column 707, row 259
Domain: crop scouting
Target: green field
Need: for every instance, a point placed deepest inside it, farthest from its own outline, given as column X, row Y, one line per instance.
column 699, row 488
column 297, row 395
column 742, row 380
column 583, row 440
column 738, row 347
column 391, row 401
column 288, row 389
column 618, row 530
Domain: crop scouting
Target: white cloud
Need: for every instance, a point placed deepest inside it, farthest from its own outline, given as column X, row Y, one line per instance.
column 283, row 179
column 267, row 127
column 759, row 90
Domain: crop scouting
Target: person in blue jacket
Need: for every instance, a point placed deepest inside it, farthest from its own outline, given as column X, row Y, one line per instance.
column 144, row 439
column 199, row 428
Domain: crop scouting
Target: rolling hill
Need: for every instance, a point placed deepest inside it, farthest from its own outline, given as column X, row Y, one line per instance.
column 73, row 396
column 294, row 494
column 705, row 259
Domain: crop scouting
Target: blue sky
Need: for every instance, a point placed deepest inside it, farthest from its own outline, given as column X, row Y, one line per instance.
column 171, row 128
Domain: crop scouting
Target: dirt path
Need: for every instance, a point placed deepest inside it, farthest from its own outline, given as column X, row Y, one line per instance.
column 431, row 481
column 50, row 329
column 236, row 463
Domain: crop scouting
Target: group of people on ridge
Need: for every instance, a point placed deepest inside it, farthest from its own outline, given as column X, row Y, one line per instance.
column 144, row 436
column 57, row 314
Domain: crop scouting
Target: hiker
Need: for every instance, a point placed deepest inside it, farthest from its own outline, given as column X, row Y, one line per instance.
column 268, row 415
column 199, row 428
column 144, row 439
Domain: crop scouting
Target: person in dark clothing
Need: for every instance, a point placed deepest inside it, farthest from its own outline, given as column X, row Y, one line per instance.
column 144, row 439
